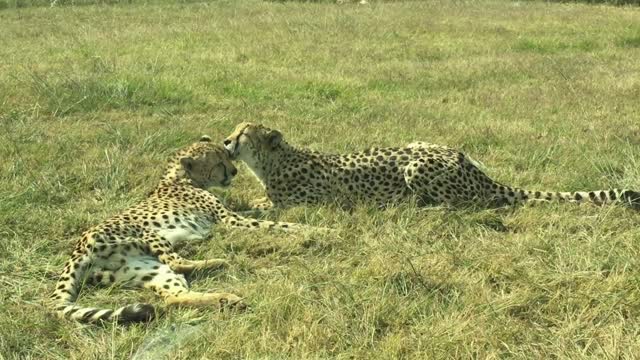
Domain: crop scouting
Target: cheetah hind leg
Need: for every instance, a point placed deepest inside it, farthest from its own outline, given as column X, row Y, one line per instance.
column 221, row 301
column 186, row 266
column 102, row 278
column 164, row 252
column 173, row 288
column 428, row 189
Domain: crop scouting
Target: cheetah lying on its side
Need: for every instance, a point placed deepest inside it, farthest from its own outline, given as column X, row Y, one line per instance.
column 435, row 174
column 136, row 247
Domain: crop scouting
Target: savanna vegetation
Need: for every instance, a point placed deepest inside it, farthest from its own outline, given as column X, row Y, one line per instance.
column 93, row 99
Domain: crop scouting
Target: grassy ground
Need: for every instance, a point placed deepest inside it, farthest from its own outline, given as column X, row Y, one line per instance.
column 94, row 98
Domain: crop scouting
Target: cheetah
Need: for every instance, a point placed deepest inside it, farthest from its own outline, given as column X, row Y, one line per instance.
column 433, row 174
column 136, row 247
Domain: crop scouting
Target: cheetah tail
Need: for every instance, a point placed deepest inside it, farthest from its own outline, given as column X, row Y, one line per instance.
column 122, row 315
column 66, row 293
column 625, row 197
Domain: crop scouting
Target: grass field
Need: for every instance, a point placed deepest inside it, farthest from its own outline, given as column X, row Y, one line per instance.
column 93, row 99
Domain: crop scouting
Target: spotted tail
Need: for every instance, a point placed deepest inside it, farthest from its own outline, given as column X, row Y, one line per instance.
column 512, row 196
column 66, row 293
column 125, row 314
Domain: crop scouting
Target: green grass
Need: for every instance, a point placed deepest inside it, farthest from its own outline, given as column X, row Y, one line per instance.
column 94, row 98
column 606, row 2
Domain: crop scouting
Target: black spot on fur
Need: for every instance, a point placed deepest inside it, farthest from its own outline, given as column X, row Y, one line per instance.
column 631, row 197
column 137, row 313
column 106, row 315
column 72, row 311
column 89, row 314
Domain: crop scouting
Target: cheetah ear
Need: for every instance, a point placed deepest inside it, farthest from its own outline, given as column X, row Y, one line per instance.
column 274, row 138
column 187, row 163
column 205, row 138
column 211, row 153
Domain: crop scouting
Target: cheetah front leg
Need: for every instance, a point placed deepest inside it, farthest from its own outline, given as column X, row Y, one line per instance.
column 257, row 207
column 234, row 219
column 161, row 248
column 261, row 204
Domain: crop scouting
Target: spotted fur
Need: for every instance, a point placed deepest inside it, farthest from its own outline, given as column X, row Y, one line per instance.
column 435, row 174
column 136, row 247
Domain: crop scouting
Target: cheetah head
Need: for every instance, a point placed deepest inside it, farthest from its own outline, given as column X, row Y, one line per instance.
column 207, row 164
column 250, row 142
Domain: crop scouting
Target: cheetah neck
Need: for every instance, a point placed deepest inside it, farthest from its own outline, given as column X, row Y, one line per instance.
column 258, row 167
column 263, row 164
column 176, row 175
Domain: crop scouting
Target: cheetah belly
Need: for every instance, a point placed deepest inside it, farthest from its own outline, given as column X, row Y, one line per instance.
column 186, row 231
column 177, row 235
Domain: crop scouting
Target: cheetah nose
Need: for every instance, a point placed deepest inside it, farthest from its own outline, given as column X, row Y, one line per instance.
column 234, row 172
column 227, row 142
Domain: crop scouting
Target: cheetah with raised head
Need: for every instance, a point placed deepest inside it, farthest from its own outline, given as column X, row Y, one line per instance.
column 136, row 247
column 435, row 174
